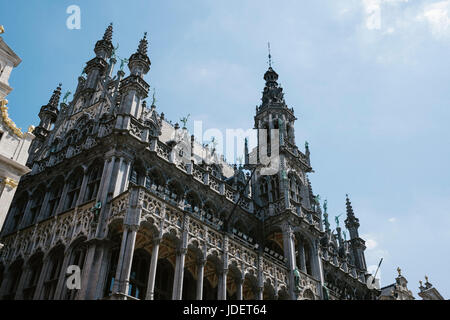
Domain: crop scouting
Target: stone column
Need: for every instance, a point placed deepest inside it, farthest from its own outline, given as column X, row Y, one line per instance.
column 259, row 293
column 22, row 281
column 289, row 252
column 239, row 288
column 152, row 274
column 125, row 260
column 301, row 255
column 200, row 275
column 62, row 277
column 39, row 292
column 177, row 291
column 222, row 285
column 82, row 192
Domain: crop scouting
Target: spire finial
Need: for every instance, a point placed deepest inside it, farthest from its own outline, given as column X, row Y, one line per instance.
column 399, row 271
column 108, row 33
column 143, row 44
column 54, row 99
column 270, row 55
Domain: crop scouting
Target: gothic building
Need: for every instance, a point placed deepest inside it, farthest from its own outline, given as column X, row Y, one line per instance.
column 109, row 192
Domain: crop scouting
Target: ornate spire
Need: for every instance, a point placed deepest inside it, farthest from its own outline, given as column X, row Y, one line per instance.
column 104, row 47
column 54, row 100
column 108, row 33
column 139, row 62
column 270, row 56
column 348, row 204
column 143, row 45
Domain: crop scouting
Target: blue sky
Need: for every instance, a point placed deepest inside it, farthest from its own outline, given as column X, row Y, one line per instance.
column 368, row 79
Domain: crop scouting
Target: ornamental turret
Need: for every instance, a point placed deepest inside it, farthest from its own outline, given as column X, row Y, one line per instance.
column 48, row 114
column 357, row 244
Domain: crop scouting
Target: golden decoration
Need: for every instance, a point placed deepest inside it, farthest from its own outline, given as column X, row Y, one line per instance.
column 8, row 121
column 10, row 182
column 2, row 29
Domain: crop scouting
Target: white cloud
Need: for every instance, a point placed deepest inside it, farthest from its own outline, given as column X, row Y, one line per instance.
column 371, row 244
column 392, row 220
column 437, row 17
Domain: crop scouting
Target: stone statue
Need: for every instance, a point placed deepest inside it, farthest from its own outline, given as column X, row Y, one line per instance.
column 184, row 120
column 297, row 286
column 122, row 63
column 337, row 219
column 66, row 96
column 317, row 199
column 325, row 206
column 114, row 50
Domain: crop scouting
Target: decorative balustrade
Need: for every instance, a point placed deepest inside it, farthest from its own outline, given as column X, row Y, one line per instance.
column 63, row 228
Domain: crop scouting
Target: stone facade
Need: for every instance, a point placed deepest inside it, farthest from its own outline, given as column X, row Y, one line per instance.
column 14, row 144
column 111, row 192
column 398, row 290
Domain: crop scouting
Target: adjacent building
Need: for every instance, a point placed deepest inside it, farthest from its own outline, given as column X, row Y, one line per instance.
column 147, row 212
column 14, row 143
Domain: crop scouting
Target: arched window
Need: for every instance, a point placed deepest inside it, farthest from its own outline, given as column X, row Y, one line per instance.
column 275, row 190
column 73, row 190
column 18, row 211
column 137, row 175
column 77, row 258
column 164, row 280
column 139, row 274
column 36, row 204
column 53, row 273
column 55, row 196
column 112, row 267
column 13, row 278
column 93, row 184
column 35, row 267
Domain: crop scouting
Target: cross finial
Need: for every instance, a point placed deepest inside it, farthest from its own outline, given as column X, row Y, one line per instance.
column 270, row 56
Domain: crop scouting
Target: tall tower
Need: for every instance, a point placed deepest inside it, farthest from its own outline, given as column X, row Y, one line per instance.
column 357, row 245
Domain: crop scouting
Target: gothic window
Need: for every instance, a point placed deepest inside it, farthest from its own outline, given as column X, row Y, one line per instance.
column 264, row 190
column 35, row 267
column 73, row 190
column 139, row 274
column 36, row 204
column 77, row 259
column 54, row 198
column 72, row 137
column 53, row 273
column 93, row 184
column 164, row 280
column 18, row 211
column 112, row 267
column 13, row 278
column 137, row 174
column 275, row 190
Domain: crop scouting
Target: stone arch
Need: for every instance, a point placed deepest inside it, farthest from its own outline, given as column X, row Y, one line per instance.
column 34, row 268
column 74, row 181
column 234, row 278
column 308, row 294
column 269, row 290
column 13, row 276
column 249, row 287
column 94, row 176
column 55, row 194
